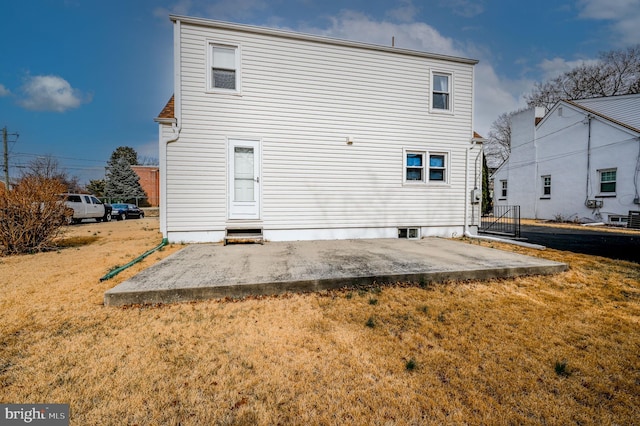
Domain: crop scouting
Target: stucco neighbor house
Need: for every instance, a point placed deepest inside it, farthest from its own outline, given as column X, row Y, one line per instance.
column 300, row 137
column 580, row 161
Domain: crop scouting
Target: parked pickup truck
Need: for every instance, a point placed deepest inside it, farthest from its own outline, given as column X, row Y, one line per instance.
column 86, row 206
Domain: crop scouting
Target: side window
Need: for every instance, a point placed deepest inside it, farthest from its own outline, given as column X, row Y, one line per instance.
column 425, row 166
column 414, row 166
column 441, row 90
column 608, row 181
column 87, row 199
column 224, row 68
column 546, row 186
column 74, row 198
column 503, row 189
column 95, row 200
column 437, row 167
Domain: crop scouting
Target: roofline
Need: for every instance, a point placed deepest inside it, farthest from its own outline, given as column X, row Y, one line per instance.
column 596, row 113
column 314, row 38
column 165, row 120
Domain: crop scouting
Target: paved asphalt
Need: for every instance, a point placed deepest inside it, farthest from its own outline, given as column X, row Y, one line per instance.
column 614, row 245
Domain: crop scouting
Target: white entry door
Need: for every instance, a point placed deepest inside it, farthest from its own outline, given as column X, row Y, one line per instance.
column 244, row 179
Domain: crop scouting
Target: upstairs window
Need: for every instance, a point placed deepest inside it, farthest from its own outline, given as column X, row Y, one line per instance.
column 503, row 189
column 224, row 72
column 608, row 181
column 441, row 92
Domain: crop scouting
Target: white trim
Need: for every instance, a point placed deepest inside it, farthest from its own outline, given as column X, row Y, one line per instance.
column 209, row 44
column 451, row 75
column 248, row 211
column 358, row 233
column 177, row 74
column 315, row 38
column 426, row 167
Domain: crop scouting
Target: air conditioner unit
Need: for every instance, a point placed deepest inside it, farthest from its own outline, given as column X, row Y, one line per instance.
column 594, row 204
column 634, row 220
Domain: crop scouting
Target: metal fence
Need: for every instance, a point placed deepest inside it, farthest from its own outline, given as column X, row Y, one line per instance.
column 504, row 220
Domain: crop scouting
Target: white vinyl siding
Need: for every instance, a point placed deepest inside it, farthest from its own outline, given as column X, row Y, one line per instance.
column 302, row 99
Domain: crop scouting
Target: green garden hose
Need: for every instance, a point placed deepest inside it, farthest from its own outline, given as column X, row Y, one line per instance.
column 119, row 269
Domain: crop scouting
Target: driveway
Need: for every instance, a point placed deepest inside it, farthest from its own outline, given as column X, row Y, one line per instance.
column 614, row 245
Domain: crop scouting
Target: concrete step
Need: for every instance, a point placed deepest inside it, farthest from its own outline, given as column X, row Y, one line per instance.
column 244, row 236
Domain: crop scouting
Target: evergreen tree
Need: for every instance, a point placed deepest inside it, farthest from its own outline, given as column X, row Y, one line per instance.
column 487, row 202
column 122, row 182
column 96, row 187
column 126, row 152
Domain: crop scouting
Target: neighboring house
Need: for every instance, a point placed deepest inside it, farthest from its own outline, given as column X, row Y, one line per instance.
column 580, row 161
column 150, row 182
column 301, row 137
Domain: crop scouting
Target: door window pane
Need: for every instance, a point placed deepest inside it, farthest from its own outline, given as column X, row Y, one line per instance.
column 243, row 167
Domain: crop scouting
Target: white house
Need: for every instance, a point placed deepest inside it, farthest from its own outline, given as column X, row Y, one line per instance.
column 300, row 137
column 580, row 161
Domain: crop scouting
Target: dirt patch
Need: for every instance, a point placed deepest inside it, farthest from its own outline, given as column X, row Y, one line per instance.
column 559, row 349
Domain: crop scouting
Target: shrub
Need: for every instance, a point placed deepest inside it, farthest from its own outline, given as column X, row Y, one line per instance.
column 31, row 215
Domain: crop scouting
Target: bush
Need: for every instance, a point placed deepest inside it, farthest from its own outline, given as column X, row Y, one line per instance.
column 31, row 215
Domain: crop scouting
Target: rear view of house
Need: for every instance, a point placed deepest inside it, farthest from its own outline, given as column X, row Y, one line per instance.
column 580, row 161
column 299, row 137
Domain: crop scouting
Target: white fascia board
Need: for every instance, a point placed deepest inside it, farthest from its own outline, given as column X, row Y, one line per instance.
column 314, row 38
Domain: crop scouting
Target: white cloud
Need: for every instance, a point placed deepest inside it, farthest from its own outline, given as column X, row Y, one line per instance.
column 4, row 91
column 552, row 68
column 350, row 25
column 50, row 93
column 494, row 94
column 404, row 13
column 181, row 7
column 623, row 14
column 465, row 8
column 219, row 10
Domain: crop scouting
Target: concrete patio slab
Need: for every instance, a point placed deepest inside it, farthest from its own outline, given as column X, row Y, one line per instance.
column 206, row 271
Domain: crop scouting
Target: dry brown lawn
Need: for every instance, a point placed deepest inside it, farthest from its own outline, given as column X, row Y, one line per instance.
column 562, row 349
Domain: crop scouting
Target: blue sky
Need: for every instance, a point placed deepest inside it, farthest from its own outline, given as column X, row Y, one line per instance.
column 78, row 78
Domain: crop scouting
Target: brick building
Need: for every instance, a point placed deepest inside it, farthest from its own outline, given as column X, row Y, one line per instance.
column 150, row 182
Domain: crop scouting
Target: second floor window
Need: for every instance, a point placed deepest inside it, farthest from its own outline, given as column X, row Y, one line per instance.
column 224, row 67
column 441, row 93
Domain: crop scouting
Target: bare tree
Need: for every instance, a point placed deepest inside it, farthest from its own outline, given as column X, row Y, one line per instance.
column 498, row 143
column 616, row 73
column 47, row 167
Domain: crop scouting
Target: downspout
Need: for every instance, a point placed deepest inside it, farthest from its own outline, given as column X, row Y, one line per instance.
column 588, row 185
column 176, row 127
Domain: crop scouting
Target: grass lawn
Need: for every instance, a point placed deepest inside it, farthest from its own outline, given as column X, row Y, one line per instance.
column 560, row 349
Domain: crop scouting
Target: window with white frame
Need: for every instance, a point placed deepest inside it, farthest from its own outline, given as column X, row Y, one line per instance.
column 546, row 186
column 441, row 91
column 414, row 166
column 437, row 167
column 608, row 181
column 425, row 166
column 503, row 189
column 224, row 67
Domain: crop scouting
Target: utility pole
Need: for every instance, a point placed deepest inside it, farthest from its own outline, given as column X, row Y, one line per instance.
column 6, row 156
column 5, row 145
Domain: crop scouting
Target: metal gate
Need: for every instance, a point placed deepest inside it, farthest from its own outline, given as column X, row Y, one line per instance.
column 504, row 220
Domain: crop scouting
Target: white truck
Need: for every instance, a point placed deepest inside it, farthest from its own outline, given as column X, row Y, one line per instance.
column 86, row 206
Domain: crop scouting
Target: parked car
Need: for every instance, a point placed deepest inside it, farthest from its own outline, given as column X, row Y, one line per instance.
column 123, row 211
column 86, row 206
